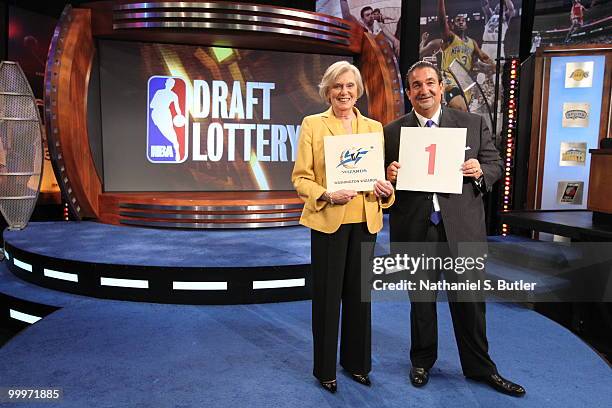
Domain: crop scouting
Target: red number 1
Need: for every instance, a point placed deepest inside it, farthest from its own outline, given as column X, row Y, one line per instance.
column 431, row 149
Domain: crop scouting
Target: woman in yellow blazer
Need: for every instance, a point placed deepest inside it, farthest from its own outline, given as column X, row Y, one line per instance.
column 340, row 222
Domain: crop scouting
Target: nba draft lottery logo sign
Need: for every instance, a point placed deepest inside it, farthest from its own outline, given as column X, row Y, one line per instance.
column 167, row 130
column 182, row 115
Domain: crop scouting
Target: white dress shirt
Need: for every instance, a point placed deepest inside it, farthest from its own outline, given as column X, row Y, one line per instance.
column 422, row 120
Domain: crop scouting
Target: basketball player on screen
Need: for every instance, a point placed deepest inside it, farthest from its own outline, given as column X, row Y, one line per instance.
column 456, row 45
column 577, row 18
column 371, row 22
column 491, row 30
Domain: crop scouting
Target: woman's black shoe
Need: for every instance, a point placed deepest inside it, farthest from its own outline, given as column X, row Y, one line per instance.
column 362, row 379
column 330, row 386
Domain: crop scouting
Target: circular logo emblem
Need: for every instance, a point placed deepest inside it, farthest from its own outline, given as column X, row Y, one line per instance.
column 579, row 75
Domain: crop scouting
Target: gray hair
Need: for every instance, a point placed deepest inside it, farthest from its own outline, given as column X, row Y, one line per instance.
column 331, row 75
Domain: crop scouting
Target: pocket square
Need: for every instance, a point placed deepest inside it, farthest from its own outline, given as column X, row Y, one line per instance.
column 468, row 148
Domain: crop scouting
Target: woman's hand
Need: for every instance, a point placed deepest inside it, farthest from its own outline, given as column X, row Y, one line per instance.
column 341, row 197
column 383, row 188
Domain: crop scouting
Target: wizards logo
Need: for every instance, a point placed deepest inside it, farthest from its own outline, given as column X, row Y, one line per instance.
column 167, row 130
column 350, row 157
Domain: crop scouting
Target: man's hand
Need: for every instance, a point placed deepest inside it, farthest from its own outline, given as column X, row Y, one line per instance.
column 392, row 171
column 383, row 188
column 471, row 168
column 341, row 197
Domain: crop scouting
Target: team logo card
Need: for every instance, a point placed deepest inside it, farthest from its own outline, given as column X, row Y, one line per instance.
column 354, row 162
column 579, row 74
column 576, row 114
column 431, row 159
column 167, row 127
column 573, row 154
column 570, row 192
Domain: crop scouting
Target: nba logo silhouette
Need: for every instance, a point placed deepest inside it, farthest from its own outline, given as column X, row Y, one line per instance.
column 167, row 130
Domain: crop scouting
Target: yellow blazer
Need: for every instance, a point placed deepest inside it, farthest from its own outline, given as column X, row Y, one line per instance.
column 309, row 174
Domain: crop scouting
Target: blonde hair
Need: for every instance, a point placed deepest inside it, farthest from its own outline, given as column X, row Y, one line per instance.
column 331, row 75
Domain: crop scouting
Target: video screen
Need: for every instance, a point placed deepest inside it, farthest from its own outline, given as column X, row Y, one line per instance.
column 561, row 22
column 191, row 118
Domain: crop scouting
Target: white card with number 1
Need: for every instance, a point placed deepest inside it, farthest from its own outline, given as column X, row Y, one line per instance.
column 431, row 159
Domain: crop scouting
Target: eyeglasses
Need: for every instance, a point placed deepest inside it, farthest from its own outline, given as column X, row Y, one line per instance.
column 339, row 87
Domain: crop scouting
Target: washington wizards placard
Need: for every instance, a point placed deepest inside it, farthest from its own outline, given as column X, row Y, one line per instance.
column 354, row 162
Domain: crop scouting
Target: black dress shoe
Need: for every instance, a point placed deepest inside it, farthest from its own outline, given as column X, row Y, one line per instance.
column 362, row 379
column 419, row 376
column 331, row 386
column 499, row 383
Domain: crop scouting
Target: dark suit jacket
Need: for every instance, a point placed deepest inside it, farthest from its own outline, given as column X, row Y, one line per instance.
column 462, row 214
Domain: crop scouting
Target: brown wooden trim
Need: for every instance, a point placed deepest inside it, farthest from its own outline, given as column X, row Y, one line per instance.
column 536, row 118
column 382, row 80
column 600, row 188
column 601, row 151
column 49, row 198
column 543, row 127
column 66, row 100
column 604, row 118
column 565, row 49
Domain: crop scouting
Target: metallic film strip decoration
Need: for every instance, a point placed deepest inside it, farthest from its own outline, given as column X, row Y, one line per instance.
column 397, row 83
column 197, row 225
column 252, row 216
column 232, row 17
column 202, row 208
column 52, row 72
column 207, row 18
column 260, row 216
column 21, row 145
column 509, row 131
column 230, row 6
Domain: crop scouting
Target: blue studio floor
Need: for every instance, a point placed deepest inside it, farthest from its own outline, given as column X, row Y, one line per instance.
column 126, row 354
column 89, row 241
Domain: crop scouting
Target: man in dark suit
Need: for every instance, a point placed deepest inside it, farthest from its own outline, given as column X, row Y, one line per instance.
column 446, row 218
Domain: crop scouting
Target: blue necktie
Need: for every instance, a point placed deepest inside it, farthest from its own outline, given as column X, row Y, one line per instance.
column 435, row 217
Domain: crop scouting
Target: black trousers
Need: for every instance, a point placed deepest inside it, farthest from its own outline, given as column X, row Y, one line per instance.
column 336, row 272
column 469, row 323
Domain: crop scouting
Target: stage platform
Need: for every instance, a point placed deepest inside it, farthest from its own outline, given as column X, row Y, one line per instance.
column 169, row 266
column 236, row 266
